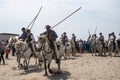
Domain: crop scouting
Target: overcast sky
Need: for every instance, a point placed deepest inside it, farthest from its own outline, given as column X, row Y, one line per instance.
column 103, row 14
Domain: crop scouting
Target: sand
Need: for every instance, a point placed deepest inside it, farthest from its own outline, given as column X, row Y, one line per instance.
column 82, row 67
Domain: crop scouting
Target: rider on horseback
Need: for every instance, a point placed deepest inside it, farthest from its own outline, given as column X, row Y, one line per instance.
column 31, row 41
column 112, row 38
column 51, row 35
column 23, row 35
column 101, row 38
column 64, row 38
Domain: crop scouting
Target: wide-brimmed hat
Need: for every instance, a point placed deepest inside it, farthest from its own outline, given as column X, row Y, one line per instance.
column 113, row 33
column 23, row 28
column 28, row 30
column 100, row 33
column 48, row 26
column 64, row 33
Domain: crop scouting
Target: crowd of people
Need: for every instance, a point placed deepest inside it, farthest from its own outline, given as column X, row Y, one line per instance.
column 81, row 45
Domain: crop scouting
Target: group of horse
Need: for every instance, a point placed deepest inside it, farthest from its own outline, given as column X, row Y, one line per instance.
column 100, row 48
column 43, row 52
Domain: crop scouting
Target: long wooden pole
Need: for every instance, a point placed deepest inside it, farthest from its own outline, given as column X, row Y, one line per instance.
column 95, row 30
column 66, row 18
column 33, row 21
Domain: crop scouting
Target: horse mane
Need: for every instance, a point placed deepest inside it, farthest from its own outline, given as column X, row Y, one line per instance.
column 12, row 38
column 43, row 37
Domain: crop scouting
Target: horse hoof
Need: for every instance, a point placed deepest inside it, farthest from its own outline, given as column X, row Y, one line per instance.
column 40, row 64
column 26, row 68
column 45, row 75
column 65, row 57
column 59, row 71
column 3, row 63
column 57, row 61
column 21, row 65
column 50, row 71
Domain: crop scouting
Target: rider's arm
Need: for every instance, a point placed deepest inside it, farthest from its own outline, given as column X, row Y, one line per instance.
column 33, row 39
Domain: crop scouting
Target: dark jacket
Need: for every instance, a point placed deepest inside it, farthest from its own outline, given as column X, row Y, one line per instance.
column 51, row 35
column 23, row 36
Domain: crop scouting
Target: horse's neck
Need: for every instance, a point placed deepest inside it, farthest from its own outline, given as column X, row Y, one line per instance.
column 24, row 45
column 13, row 40
column 47, row 46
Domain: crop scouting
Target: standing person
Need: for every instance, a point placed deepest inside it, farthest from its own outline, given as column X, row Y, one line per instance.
column 52, row 36
column 23, row 35
column 7, row 50
column 2, row 50
column 31, row 41
column 101, row 37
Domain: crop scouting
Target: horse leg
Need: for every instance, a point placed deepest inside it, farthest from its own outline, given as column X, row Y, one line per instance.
column 65, row 54
column 18, row 60
column 92, row 50
column 29, row 60
column 25, row 64
column 36, row 60
column 45, row 67
column 2, row 56
column 104, row 52
column 50, row 70
column 59, row 65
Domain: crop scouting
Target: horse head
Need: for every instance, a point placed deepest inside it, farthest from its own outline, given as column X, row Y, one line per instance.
column 12, row 40
column 42, row 40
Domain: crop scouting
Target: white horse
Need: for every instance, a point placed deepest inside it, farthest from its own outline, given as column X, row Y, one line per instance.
column 69, row 48
column 23, row 51
column 73, row 47
column 48, row 53
column 113, row 47
column 12, row 40
column 19, row 46
column 100, row 46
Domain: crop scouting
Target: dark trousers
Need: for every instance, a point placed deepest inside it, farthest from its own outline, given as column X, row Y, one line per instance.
column 2, row 56
column 31, row 47
column 53, row 48
column 6, row 56
column 13, row 51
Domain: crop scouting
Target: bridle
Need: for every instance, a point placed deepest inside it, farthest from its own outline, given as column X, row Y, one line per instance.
column 44, row 46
